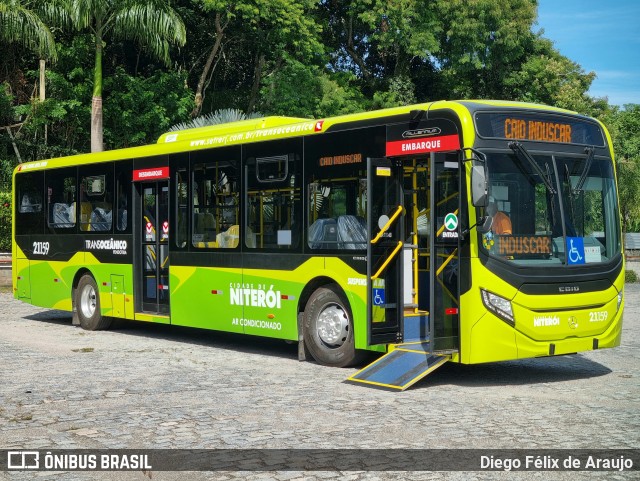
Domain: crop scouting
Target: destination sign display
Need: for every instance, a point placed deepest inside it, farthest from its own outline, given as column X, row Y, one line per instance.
column 534, row 245
column 538, row 128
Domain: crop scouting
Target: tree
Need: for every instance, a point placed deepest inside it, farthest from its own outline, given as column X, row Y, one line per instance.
column 152, row 24
column 20, row 24
column 625, row 130
column 481, row 42
column 218, row 117
column 265, row 34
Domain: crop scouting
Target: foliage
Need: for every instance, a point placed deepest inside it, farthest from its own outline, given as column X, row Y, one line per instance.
column 223, row 116
column 152, row 24
column 324, row 95
column 630, row 276
column 140, row 109
column 625, row 129
column 5, row 221
column 7, row 113
column 20, row 24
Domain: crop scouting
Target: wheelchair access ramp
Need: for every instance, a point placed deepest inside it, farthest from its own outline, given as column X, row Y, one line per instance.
column 400, row 368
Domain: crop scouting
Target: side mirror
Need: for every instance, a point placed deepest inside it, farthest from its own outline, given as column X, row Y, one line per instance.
column 485, row 224
column 479, row 188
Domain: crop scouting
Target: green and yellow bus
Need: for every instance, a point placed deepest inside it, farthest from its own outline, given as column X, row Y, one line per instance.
column 461, row 231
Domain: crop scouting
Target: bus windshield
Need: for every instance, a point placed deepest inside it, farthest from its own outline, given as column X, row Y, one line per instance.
column 564, row 212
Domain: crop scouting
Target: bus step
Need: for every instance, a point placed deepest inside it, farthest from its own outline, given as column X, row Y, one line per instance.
column 400, row 368
column 416, row 326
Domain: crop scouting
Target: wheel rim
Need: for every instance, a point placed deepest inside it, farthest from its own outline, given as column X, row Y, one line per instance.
column 333, row 325
column 88, row 301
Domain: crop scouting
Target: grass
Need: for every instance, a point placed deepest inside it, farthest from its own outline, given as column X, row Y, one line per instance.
column 83, row 349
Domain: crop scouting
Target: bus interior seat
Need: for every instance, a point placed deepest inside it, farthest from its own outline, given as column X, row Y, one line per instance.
column 101, row 217
column 230, row 238
column 198, row 222
column 323, row 234
column 62, row 215
column 208, row 226
column 352, row 232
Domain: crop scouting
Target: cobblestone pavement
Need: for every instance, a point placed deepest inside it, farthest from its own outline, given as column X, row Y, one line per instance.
column 152, row 386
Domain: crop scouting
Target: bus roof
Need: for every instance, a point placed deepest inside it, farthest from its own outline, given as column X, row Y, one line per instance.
column 229, row 128
column 266, row 128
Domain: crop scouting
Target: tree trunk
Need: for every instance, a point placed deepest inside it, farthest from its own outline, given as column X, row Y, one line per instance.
column 257, row 79
column 13, row 143
column 207, row 67
column 351, row 50
column 43, row 94
column 96, row 100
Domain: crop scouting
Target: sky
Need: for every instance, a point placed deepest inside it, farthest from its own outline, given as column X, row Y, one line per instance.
column 603, row 36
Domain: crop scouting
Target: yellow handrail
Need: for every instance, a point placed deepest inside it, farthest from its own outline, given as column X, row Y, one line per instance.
column 386, row 263
column 448, row 259
column 388, row 224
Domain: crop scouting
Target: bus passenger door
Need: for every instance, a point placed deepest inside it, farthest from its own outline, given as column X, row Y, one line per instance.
column 152, row 232
column 444, row 291
column 385, row 221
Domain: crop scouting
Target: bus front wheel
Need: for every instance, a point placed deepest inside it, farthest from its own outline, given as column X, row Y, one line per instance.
column 88, row 305
column 328, row 328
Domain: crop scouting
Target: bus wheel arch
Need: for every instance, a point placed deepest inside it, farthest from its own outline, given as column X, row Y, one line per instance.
column 327, row 324
column 86, row 303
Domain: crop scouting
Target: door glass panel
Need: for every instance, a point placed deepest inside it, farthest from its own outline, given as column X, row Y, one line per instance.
column 386, row 226
column 155, row 247
column 444, row 310
column 149, row 249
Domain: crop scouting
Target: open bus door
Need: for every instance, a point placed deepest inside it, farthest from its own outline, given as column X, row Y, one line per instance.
column 395, row 256
column 402, row 267
column 444, row 284
column 385, row 221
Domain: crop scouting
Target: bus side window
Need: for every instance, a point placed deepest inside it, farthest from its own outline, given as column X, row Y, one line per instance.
column 181, row 207
column 273, row 203
column 337, row 215
column 122, row 213
column 61, row 198
column 96, row 206
column 30, row 215
column 215, row 205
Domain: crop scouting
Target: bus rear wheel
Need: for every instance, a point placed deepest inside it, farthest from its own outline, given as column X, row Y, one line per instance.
column 328, row 328
column 88, row 305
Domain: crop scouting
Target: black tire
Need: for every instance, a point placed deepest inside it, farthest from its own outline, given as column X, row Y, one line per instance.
column 87, row 301
column 328, row 328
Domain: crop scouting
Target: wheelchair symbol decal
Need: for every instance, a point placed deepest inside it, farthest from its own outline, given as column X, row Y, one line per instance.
column 378, row 297
column 575, row 250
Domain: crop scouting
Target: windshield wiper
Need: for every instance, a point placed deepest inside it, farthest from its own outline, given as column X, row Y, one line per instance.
column 522, row 153
column 567, row 177
column 587, row 165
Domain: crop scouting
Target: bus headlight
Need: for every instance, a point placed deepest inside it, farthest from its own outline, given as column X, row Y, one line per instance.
column 620, row 296
column 500, row 306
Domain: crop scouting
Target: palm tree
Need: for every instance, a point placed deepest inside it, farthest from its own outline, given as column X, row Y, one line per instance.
column 20, row 24
column 218, row 117
column 153, row 24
